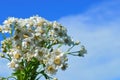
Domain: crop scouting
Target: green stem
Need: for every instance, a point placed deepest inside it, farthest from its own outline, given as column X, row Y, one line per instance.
column 72, row 53
column 70, row 48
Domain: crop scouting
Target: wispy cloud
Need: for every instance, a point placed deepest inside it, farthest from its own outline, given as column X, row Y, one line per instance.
column 98, row 29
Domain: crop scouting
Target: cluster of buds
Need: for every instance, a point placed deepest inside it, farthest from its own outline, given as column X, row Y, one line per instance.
column 39, row 39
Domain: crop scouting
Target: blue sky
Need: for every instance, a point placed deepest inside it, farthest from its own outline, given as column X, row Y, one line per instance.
column 50, row 9
column 94, row 22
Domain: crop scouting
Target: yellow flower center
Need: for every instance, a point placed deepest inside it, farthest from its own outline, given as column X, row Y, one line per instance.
column 18, row 46
column 25, row 36
column 17, row 56
column 41, row 31
column 40, row 53
column 51, row 69
column 40, row 24
column 12, row 65
column 57, row 61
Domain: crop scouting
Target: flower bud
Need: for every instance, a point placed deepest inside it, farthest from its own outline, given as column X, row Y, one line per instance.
column 77, row 43
column 82, row 51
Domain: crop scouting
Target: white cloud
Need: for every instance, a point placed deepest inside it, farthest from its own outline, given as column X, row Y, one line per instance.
column 98, row 29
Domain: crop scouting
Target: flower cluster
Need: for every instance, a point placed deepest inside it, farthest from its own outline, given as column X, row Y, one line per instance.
column 35, row 43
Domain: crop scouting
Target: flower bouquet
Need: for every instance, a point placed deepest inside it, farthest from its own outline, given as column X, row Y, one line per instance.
column 33, row 47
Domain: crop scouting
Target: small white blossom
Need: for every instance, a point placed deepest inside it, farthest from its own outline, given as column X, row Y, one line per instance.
column 13, row 64
column 6, row 29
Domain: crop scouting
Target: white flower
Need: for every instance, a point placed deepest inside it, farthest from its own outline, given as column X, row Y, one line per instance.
column 56, row 25
column 27, row 42
column 52, row 33
column 6, row 29
column 51, row 69
column 28, row 56
column 10, row 21
column 39, row 30
column 13, row 64
column 21, row 23
column 57, row 60
column 24, row 44
column 40, row 53
column 57, row 51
